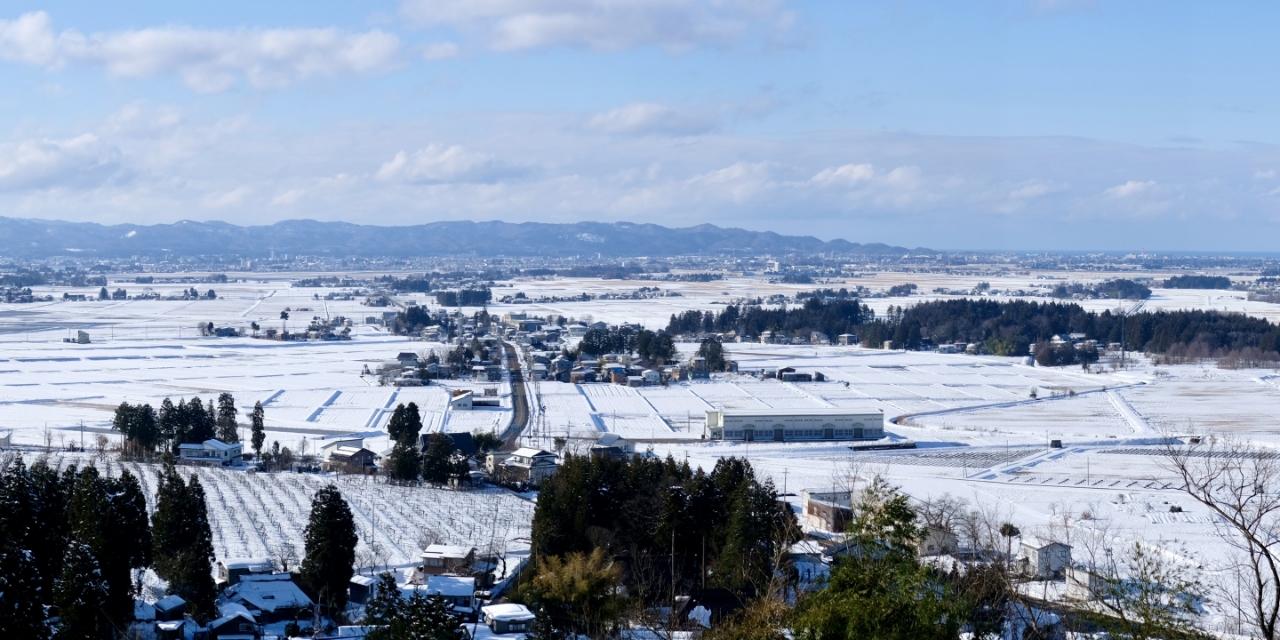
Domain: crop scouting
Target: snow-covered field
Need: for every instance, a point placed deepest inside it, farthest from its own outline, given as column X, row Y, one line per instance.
column 981, row 435
column 265, row 515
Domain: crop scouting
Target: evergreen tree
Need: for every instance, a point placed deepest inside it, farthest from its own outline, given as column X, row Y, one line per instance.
column 386, row 604
column 182, row 542
column 48, row 540
column 330, row 548
column 201, row 425
column 404, row 465
column 139, row 425
column 169, row 420
column 405, row 424
column 437, row 462
column 259, row 423
column 21, row 596
column 94, row 524
column 80, row 595
column 396, row 424
column 226, row 421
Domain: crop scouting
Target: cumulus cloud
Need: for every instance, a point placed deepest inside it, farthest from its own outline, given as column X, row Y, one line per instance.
column 608, row 25
column 645, row 118
column 438, row 164
column 82, row 161
column 1130, row 188
column 205, row 60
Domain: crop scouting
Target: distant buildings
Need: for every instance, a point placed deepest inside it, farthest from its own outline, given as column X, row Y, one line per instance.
column 791, row 425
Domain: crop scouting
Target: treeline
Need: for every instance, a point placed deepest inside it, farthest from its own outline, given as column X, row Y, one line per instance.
column 407, row 284
column 643, row 522
column 70, row 543
column 435, row 459
column 1198, row 282
column 657, row 347
column 833, row 319
column 1010, row 328
column 1119, row 288
column 189, row 421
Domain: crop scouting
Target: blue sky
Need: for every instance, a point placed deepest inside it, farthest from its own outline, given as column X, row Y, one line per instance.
column 997, row 124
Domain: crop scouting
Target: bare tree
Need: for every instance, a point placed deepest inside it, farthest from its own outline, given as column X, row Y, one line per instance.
column 1240, row 483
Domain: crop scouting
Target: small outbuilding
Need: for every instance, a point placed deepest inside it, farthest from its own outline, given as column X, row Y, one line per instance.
column 507, row 618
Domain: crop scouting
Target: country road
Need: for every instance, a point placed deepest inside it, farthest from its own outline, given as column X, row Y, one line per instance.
column 519, row 401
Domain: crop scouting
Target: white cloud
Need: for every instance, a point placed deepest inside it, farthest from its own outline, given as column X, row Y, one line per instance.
column 1265, row 175
column 1033, row 189
column 230, row 198
column 436, row 164
column 846, row 175
column 288, row 197
column 645, row 118
column 609, row 25
column 205, row 60
column 82, row 161
column 1130, row 188
column 440, row 51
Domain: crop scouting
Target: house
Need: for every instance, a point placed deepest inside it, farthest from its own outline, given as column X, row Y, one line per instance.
column 212, row 452
column 457, row 591
column 328, row 447
column 235, row 623
column 351, row 460
column 407, row 360
column 847, row 339
column 1083, row 584
column 228, row 572
column 635, row 381
column 463, row 443
column 530, row 465
column 460, row 400
column 270, row 598
column 507, row 618
column 1043, row 559
column 613, row 445
column 937, row 542
column 170, row 608
column 652, row 377
column 361, row 588
column 826, row 509
column 439, row 559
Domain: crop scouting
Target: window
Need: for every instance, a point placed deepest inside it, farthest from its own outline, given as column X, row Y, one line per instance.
column 518, row 626
column 435, row 562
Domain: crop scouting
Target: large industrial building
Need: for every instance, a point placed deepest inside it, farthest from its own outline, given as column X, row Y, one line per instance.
column 795, row 425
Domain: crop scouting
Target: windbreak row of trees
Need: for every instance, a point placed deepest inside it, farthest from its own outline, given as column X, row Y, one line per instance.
column 833, row 319
column 657, row 347
column 189, row 421
column 1003, row 327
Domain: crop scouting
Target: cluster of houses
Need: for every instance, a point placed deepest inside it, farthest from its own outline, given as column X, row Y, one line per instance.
column 255, row 599
column 828, row 511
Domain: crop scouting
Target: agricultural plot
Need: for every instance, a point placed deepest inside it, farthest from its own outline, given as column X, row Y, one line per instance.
column 265, row 515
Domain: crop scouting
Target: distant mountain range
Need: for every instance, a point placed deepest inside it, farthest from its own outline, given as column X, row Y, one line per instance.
column 27, row 238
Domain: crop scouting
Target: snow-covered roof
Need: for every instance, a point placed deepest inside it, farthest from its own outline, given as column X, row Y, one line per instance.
column 228, row 609
column 143, row 611
column 446, row 551
column 609, row 439
column 507, row 611
column 220, row 445
column 1040, row 543
column 169, row 603
column 810, row 547
column 252, row 564
column 814, row 412
column 225, row 619
column 528, row 452
column 456, row 586
column 363, row 580
column 268, row 592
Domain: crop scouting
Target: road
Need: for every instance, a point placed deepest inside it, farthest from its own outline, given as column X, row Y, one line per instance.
column 519, row 401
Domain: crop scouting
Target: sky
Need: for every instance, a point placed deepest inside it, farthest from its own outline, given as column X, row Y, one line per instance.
column 995, row 124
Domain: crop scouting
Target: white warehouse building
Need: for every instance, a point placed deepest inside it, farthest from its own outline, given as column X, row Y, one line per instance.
column 795, row 425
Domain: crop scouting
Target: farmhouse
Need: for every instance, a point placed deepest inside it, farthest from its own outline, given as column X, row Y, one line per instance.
column 789, row 425
column 440, row 559
column 270, row 598
column 530, row 465
column 211, row 452
column 1043, row 559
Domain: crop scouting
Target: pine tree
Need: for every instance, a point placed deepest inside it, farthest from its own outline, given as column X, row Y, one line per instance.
column 80, row 594
column 48, row 541
column 330, row 547
column 200, row 425
column 168, row 422
column 21, row 597
column 182, row 542
column 386, row 604
column 226, row 421
column 259, row 422
column 396, row 424
column 403, row 464
column 437, row 462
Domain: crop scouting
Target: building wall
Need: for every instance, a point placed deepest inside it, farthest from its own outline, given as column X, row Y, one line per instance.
column 764, row 428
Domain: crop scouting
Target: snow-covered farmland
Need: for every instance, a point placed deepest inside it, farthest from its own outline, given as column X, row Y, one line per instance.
column 265, row 515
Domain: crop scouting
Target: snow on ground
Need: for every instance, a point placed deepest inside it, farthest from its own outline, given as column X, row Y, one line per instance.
column 265, row 515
